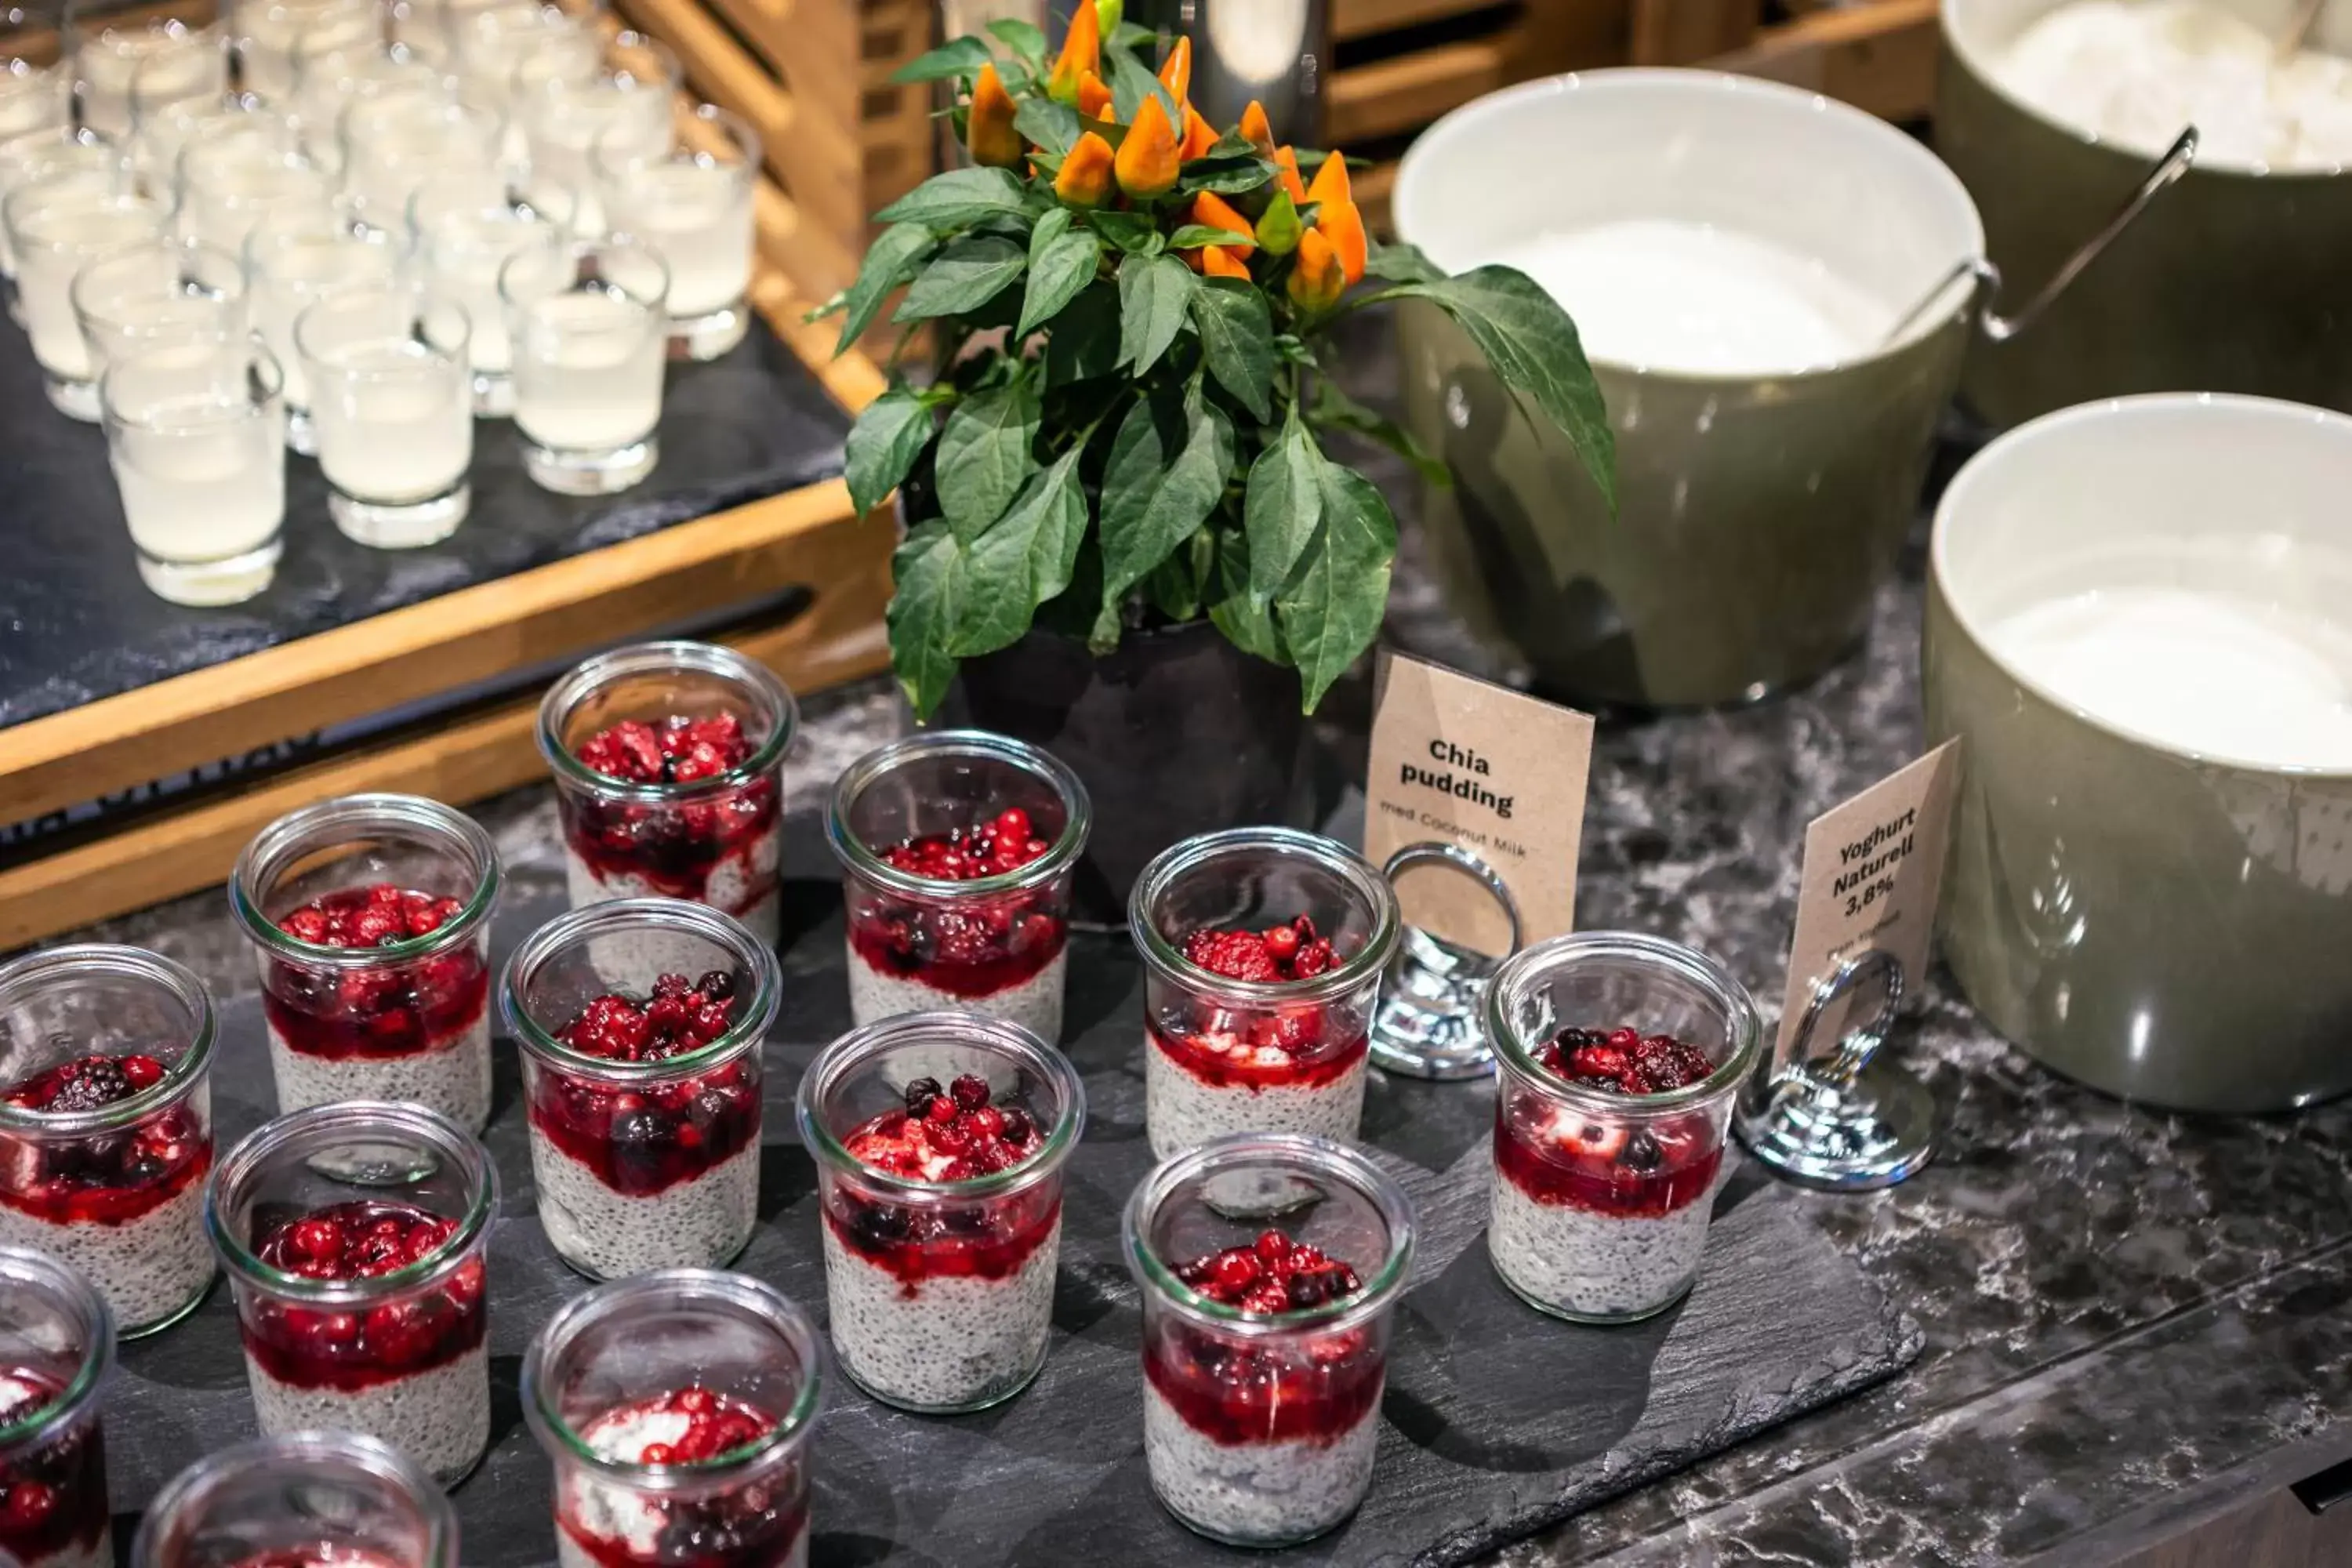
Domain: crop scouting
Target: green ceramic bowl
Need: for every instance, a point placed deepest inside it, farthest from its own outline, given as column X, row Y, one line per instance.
column 1758, row 512
column 2154, row 896
column 2234, row 281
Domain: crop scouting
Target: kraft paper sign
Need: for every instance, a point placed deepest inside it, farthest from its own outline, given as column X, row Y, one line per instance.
column 1873, row 869
column 1458, row 760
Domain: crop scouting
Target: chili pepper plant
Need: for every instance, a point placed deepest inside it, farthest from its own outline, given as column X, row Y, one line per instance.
column 1132, row 307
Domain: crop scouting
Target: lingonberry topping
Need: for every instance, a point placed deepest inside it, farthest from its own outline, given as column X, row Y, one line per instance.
column 1273, row 1274
column 1289, row 952
column 373, row 916
column 994, row 847
column 1624, row 1061
column 355, row 1240
column 675, row 750
column 85, row 1083
column 677, row 1018
column 716, row 1424
column 946, row 1135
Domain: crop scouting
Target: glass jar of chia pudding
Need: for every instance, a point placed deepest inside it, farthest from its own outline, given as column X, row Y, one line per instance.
column 1263, row 951
column 940, row 1141
column 1268, row 1263
column 1619, row 1057
column 106, row 1129
column 354, row 1237
column 957, row 850
column 369, row 916
column 313, row 1500
column 641, row 1023
column 57, row 1349
column 675, row 1408
column 669, row 777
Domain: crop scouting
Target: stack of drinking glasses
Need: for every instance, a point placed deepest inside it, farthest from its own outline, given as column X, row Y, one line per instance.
column 351, row 228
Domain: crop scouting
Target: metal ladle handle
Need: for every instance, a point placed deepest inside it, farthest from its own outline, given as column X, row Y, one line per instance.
column 1999, row 329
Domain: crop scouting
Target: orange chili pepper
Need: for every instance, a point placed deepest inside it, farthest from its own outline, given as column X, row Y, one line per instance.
column 1176, row 71
column 1277, row 230
column 1093, row 98
column 1149, row 158
column 1086, row 178
column 1212, row 211
column 1316, row 281
column 1217, row 261
column 1257, row 128
column 988, row 130
column 1287, row 161
column 1199, row 135
column 1343, row 226
column 1081, row 53
column 1331, row 182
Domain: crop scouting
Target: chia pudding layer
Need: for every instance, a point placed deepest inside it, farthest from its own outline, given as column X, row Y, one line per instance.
column 1250, row 1493
column 150, row 1267
column 1185, row 1105
column 946, row 1341
column 452, row 1077
column 53, row 1507
column 1589, row 1263
column 700, row 1223
column 744, row 886
column 606, row 1523
column 439, row 1417
column 1034, row 1004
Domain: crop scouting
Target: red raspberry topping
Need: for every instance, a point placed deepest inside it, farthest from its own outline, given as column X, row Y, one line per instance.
column 1273, row 1274
column 1281, row 952
column 675, row 750
column 355, row 1240
column 947, row 1135
column 716, row 1425
column 999, row 844
column 1624, row 1061
column 375, row 915
column 87, row 1083
column 681, row 1017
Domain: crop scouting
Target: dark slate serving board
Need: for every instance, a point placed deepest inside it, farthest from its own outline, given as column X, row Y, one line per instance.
column 1499, row 1421
column 76, row 622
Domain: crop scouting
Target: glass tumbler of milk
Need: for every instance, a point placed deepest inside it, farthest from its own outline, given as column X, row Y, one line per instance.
column 330, row 73
column 392, row 406
column 692, row 200
column 53, row 148
column 162, row 292
column 623, row 104
column 110, row 44
column 32, row 95
column 292, row 259
column 493, row 41
column 587, row 337
column 463, row 232
column 229, row 184
column 267, row 30
column 396, row 144
column 57, row 224
column 196, row 434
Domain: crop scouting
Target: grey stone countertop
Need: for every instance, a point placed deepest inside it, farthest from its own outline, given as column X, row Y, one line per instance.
column 2132, row 1319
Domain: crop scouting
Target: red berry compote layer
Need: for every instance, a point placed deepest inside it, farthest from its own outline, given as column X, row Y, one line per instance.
column 324, row 1554
column 412, row 1370
column 664, row 1175
column 1005, row 955
column 53, row 1511
column 409, row 1029
column 718, row 847
column 1216, row 1069
column 606, row 1523
column 946, row 1306
column 1263, row 1439
column 1599, row 1216
column 125, row 1207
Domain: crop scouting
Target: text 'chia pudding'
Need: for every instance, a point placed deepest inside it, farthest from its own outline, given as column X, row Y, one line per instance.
column 53, row 1508
column 1264, row 1359
column 957, row 849
column 1609, row 1141
column 669, row 762
column 675, row 1408
column 369, row 916
column 942, row 1213
column 312, row 1500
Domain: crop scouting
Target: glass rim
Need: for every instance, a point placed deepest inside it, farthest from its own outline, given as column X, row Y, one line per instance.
column 368, row 1456
column 284, row 231
column 591, row 921
column 1368, row 963
column 564, row 244
column 744, row 137
column 517, row 198
column 180, row 1076
column 857, row 857
column 583, row 680
column 625, row 38
column 861, row 1045
column 13, row 208
column 674, row 1287
column 350, row 814
column 1687, row 963
column 387, row 1120
column 162, row 246
column 31, row 1267
column 1323, row 1157
column 420, row 300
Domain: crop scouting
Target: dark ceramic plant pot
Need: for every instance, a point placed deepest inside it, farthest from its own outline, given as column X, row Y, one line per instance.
column 1174, row 734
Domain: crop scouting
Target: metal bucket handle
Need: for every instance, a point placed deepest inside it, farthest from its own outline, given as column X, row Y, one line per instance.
column 1986, row 279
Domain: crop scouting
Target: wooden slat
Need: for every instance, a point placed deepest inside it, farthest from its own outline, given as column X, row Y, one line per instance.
column 1679, row 32
column 1354, row 19
column 1374, row 187
column 1880, row 57
column 1410, row 90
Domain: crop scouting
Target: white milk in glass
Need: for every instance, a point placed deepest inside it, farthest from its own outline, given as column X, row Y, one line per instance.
column 267, row 31
column 70, row 234
column 30, row 97
column 2228, row 675
column 170, row 64
column 193, row 494
column 1693, row 298
column 406, row 437
column 464, row 251
column 297, row 270
column 699, row 218
column 589, row 378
